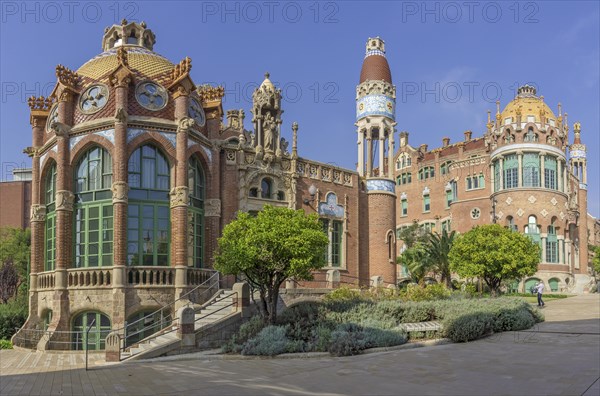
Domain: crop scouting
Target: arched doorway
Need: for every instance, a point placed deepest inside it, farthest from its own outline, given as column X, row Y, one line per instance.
column 95, row 339
column 530, row 283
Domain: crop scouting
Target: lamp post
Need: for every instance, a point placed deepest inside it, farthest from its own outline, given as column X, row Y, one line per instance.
column 312, row 190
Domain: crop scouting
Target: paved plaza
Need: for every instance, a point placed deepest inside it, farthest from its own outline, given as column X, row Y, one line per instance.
column 558, row 357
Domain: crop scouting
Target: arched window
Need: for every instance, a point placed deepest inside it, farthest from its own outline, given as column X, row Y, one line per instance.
column 197, row 186
column 510, row 223
column 94, row 340
column 532, row 229
column 531, row 170
column 93, row 209
column 426, row 172
column 148, row 221
column 266, row 187
column 445, row 167
column 530, row 136
column 50, row 227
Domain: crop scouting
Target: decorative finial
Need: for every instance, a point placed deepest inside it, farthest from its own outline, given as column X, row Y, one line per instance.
column 295, row 140
column 559, row 109
column 577, row 127
column 143, row 24
column 124, row 22
column 489, row 116
column 267, row 75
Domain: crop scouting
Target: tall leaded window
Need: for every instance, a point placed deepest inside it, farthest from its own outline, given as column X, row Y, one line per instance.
column 148, row 221
column 266, row 186
column 404, row 207
column 426, row 203
column 511, row 171
column 531, row 170
column 50, row 228
column 552, row 244
column 532, row 229
column 197, row 186
column 93, row 209
column 447, row 225
column 510, row 223
column 94, row 339
column 496, row 176
column 550, row 173
column 334, row 231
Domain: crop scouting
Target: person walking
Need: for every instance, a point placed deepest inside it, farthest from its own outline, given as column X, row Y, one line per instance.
column 539, row 288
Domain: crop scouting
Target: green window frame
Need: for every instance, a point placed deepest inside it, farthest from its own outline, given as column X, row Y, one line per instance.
column 404, row 178
column 551, row 245
column 511, row 171
column 404, row 205
column 531, row 170
column 334, row 230
column 426, row 203
column 148, row 234
column 426, row 172
column 95, row 339
column 94, row 235
column 449, row 198
column 445, row 168
column 50, row 224
column 148, row 175
column 50, row 261
column 447, row 225
column 93, row 171
column 550, row 173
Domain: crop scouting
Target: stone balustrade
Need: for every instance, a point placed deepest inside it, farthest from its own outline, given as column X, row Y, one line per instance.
column 197, row 276
column 89, row 277
column 45, row 280
column 150, row 276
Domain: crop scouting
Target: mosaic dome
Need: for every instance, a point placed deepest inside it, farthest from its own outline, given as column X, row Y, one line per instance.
column 529, row 104
column 141, row 61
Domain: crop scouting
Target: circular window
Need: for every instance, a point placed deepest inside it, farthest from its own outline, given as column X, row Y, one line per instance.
column 52, row 117
column 151, row 96
column 475, row 213
column 196, row 112
column 93, row 99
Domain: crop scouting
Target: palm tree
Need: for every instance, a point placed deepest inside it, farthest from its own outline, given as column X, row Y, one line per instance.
column 437, row 250
column 416, row 261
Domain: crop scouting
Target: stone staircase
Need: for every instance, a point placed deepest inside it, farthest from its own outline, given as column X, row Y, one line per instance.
column 218, row 307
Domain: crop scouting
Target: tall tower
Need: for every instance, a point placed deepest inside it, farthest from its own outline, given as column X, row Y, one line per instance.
column 578, row 165
column 375, row 121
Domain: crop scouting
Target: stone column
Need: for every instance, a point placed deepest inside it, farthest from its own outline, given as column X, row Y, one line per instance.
column 391, row 154
column 492, row 168
column 544, row 238
column 180, row 197
column 369, row 154
column 360, row 168
column 381, row 152
column 560, row 182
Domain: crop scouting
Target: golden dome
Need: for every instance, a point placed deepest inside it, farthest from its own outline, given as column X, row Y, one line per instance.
column 141, row 60
column 528, row 104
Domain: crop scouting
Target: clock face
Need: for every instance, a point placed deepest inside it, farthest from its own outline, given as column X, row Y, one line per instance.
column 196, row 112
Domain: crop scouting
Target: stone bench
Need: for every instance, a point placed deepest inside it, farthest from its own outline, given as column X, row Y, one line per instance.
column 420, row 326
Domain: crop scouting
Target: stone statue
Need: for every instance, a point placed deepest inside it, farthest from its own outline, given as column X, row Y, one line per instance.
column 269, row 131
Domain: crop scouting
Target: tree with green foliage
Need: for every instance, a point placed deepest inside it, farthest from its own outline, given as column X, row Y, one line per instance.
column 596, row 259
column 412, row 235
column 276, row 245
column 494, row 253
column 416, row 261
column 438, row 248
column 15, row 248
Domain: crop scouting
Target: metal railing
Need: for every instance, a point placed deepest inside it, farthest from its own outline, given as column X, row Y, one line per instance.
column 130, row 330
column 172, row 329
column 61, row 340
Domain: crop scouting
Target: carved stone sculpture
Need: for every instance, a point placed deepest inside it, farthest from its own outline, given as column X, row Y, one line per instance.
column 119, row 192
column 64, row 200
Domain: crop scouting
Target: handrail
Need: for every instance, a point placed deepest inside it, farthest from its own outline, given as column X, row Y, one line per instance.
column 216, row 273
column 158, row 334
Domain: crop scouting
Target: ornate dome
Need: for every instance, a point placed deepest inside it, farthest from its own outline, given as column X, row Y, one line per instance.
column 529, row 104
column 138, row 41
column 141, row 60
column 375, row 67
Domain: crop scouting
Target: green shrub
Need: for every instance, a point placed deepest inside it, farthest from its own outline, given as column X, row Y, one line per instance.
column 435, row 291
column 248, row 330
column 270, row 341
column 377, row 337
column 344, row 294
column 347, row 340
column 321, row 338
column 12, row 317
column 5, row 344
column 468, row 327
